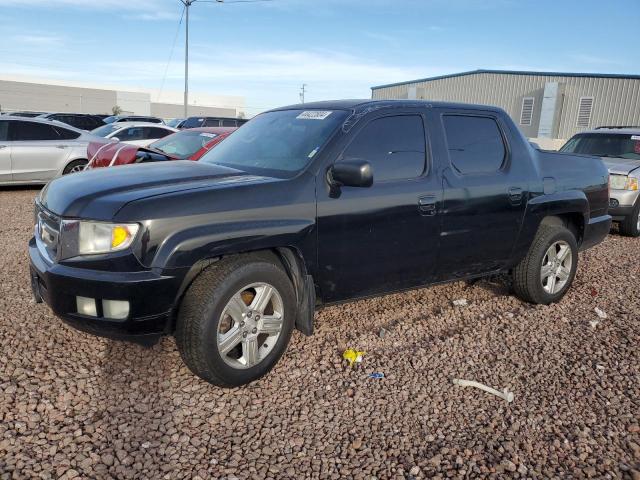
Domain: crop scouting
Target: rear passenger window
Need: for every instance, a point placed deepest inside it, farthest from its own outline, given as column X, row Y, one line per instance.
column 33, row 131
column 66, row 134
column 153, row 132
column 393, row 146
column 211, row 122
column 228, row 123
column 475, row 143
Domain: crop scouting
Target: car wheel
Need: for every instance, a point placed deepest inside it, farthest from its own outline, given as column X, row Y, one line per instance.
column 235, row 320
column 630, row 226
column 548, row 270
column 75, row 167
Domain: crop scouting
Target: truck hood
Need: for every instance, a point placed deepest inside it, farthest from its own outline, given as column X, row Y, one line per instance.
column 98, row 194
column 620, row 166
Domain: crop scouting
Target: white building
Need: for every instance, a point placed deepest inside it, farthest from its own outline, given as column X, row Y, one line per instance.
column 18, row 93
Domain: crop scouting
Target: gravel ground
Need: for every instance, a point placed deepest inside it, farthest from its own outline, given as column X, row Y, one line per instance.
column 72, row 405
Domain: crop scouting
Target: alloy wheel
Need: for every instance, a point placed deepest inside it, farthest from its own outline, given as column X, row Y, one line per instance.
column 250, row 325
column 556, row 267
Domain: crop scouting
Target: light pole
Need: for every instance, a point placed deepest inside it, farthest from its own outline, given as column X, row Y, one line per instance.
column 302, row 92
column 187, row 4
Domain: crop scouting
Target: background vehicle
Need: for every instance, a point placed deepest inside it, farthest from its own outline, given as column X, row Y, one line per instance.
column 132, row 118
column 25, row 114
column 619, row 148
column 82, row 121
column 134, row 133
column 35, row 150
column 175, row 122
column 195, row 122
column 308, row 205
column 183, row 145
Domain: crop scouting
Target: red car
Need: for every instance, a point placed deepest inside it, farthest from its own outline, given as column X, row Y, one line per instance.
column 188, row 144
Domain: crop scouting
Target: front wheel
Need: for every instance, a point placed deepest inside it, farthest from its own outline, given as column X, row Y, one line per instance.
column 548, row 270
column 75, row 167
column 235, row 320
column 630, row 226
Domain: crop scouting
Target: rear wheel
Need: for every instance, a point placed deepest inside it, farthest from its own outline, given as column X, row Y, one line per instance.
column 235, row 320
column 630, row 226
column 75, row 166
column 548, row 270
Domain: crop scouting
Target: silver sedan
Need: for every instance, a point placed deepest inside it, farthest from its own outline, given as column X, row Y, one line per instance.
column 33, row 151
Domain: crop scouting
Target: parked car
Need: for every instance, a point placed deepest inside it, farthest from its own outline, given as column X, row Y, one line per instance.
column 132, row 118
column 175, row 122
column 619, row 148
column 134, row 133
column 34, row 150
column 25, row 114
column 183, row 145
column 305, row 206
column 82, row 121
column 195, row 122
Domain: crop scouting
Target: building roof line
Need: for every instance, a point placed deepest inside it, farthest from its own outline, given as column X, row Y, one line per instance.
column 512, row 72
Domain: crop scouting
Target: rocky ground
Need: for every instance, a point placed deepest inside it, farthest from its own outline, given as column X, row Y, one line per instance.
column 72, row 405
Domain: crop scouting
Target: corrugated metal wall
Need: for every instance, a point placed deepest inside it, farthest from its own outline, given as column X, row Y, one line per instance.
column 616, row 101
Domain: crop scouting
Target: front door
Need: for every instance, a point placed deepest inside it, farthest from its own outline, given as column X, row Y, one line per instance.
column 385, row 237
column 485, row 194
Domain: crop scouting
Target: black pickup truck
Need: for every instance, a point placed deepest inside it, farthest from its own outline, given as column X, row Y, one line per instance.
column 306, row 206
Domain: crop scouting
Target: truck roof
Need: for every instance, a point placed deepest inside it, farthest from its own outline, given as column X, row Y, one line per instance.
column 368, row 104
column 619, row 130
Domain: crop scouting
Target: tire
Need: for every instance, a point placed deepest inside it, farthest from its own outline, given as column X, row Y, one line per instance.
column 630, row 226
column 529, row 282
column 206, row 320
column 75, row 166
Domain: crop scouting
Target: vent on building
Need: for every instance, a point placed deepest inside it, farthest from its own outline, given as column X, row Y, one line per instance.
column 527, row 111
column 584, row 111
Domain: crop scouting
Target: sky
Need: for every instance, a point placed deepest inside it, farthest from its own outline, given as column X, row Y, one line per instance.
column 264, row 51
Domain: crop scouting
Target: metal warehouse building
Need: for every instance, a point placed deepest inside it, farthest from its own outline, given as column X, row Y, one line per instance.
column 547, row 106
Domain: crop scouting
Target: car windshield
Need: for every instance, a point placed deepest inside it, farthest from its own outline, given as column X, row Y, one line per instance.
column 605, row 145
column 110, row 119
column 183, row 144
column 174, row 122
column 278, row 144
column 105, row 130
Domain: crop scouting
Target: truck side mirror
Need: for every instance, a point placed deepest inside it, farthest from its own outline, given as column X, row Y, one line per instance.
column 350, row 173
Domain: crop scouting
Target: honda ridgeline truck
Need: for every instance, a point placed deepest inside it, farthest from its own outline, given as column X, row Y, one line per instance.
column 306, row 206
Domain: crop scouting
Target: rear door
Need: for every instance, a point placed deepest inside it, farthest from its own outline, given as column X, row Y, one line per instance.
column 385, row 237
column 5, row 152
column 37, row 151
column 485, row 193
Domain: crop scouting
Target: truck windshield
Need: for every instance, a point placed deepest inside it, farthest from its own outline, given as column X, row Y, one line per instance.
column 605, row 145
column 278, row 144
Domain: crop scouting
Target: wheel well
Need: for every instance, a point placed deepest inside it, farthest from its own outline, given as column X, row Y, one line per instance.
column 286, row 257
column 573, row 221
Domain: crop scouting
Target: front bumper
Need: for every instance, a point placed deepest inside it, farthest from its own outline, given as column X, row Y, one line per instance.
column 595, row 231
column 621, row 203
column 151, row 297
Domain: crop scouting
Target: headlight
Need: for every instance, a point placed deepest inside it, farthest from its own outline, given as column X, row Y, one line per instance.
column 85, row 238
column 622, row 182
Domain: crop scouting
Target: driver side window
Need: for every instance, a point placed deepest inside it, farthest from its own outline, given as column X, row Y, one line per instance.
column 394, row 147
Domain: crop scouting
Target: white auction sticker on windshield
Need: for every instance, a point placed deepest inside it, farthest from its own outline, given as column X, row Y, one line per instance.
column 635, row 137
column 209, row 135
column 314, row 115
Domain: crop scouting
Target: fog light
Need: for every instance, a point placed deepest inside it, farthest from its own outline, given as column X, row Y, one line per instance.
column 116, row 309
column 86, row 306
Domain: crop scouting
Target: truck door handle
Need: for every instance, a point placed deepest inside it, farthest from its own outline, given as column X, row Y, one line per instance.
column 515, row 195
column 427, row 205
column 61, row 146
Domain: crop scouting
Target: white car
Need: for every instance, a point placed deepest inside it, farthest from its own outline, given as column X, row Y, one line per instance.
column 134, row 133
column 33, row 150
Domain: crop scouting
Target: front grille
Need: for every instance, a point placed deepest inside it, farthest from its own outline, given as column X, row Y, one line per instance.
column 48, row 232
